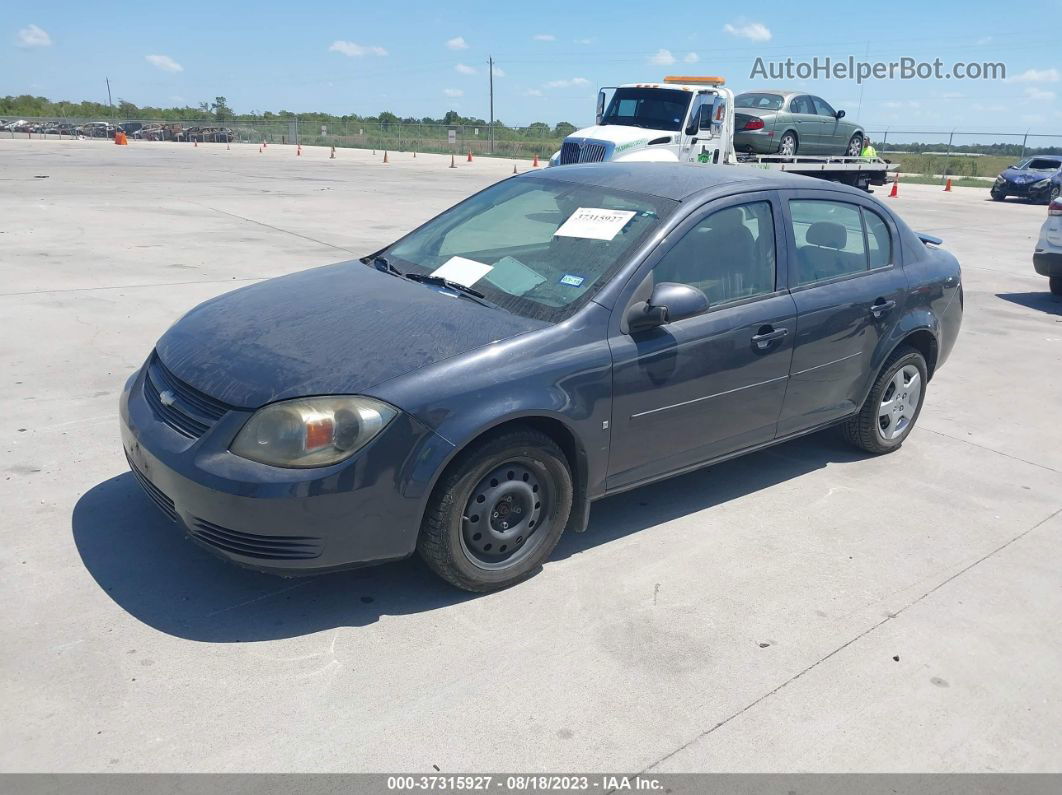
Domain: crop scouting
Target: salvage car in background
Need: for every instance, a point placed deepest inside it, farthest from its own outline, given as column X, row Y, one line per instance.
column 558, row 337
column 1047, row 258
column 788, row 122
column 1034, row 178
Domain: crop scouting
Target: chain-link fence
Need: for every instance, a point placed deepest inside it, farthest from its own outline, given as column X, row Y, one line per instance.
column 944, row 158
column 520, row 142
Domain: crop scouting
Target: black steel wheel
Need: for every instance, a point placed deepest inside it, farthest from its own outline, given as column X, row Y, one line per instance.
column 498, row 512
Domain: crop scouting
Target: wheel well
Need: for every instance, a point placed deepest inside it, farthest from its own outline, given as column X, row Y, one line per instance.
column 926, row 344
column 555, row 430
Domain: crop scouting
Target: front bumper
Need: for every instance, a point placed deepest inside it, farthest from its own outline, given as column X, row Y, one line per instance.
column 288, row 521
column 1048, row 263
column 1024, row 190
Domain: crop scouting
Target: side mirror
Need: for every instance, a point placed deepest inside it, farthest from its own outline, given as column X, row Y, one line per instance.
column 840, row 114
column 669, row 302
column 600, row 107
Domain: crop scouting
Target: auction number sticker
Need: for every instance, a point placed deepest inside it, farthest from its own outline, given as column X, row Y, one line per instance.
column 594, row 223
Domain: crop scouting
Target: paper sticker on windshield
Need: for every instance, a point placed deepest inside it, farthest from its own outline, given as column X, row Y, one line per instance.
column 463, row 271
column 571, row 280
column 594, row 223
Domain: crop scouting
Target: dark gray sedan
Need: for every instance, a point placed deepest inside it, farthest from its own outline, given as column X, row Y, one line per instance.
column 791, row 122
column 564, row 335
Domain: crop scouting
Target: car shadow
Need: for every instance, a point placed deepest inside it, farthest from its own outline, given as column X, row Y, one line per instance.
column 1043, row 300
column 151, row 571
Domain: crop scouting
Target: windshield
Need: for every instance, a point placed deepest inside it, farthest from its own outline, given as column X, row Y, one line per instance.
column 1039, row 164
column 653, row 108
column 536, row 247
column 759, row 101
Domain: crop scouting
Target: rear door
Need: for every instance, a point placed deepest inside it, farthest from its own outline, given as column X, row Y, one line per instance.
column 849, row 290
column 697, row 389
column 807, row 123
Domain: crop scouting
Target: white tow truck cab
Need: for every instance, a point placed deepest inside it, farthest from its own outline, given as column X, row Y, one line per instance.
column 690, row 120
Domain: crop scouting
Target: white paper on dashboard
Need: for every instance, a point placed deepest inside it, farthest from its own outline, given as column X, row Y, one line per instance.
column 463, row 271
column 594, row 223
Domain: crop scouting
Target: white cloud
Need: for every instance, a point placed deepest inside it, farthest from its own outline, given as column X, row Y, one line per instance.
column 164, row 62
column 464, row 69
column 983, row 40
column 33, row 36
column 352, row 50
column 753, row 31
column 498, row 72
column 1034, row 94
column 585, row 41
column 544, row 37
column 453, row 92
column 532, row 92
column 691, row 57
column 1037, row 76
column 574, row 81
column 457, row 43
column 662, row 58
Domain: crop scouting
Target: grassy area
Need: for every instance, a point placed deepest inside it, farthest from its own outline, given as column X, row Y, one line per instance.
column 954, row 166
column 960, row 182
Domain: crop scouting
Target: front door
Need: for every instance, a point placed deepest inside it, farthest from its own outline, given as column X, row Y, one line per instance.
column 808, row 125
column 700, row 388
column 849, row 291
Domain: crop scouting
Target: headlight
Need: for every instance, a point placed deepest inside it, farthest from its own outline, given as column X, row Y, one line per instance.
column 1043, row 183
column 311, row 432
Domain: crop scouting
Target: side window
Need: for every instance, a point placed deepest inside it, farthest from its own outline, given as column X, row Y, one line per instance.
column 822, row 107
column 829, row 239
column 879, row 242
column 729, row 255
column 801, row 105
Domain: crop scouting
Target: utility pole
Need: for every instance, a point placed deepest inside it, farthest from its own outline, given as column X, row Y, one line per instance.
column 109, row 103
column 490, row 70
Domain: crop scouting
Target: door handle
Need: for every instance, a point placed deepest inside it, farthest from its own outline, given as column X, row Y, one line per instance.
column 881, row 306
column 767, row 335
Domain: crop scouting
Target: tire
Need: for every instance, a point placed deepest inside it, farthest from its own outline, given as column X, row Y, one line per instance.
column 998, row 195
column 856, row 142
column 1056, row 285
column 865, row 430
column 789, row 139
column 516, row 473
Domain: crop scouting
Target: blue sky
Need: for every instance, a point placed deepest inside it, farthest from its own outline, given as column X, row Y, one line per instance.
column 423, row 58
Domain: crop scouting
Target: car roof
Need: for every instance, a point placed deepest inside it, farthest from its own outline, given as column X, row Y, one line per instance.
column 679, row 181
column 782, row 92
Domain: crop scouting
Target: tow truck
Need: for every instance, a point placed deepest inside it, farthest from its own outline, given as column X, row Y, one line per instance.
column 691, row 119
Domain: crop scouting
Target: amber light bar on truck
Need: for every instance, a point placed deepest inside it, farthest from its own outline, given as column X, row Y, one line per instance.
column 707, row 81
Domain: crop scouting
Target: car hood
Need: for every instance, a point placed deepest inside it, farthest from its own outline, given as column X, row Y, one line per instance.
column 340, row 329
column 619, row 134
column 1020, row 176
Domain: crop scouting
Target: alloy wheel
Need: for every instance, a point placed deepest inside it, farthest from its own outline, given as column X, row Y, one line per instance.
column 899, row 402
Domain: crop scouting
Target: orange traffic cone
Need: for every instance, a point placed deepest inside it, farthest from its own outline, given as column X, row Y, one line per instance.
column 895, row 192
column 452, row 163
column 947, row 185
column 333, row 155
column 534, row 163
column 298, row 150
column 259, row 149
column 469, row 156
column 195, row 144
column 414, row 154
column 514, row 168
column 265, row 145
column 385, row 156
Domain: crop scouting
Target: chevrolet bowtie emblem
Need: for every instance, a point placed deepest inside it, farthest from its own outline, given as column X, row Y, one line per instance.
column 167, row 398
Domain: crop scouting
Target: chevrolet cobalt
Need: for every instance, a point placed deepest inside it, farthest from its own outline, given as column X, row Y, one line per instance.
column 561, row 336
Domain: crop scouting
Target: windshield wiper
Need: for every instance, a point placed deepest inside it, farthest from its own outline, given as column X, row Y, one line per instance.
column 457, row 287
column 383, row 264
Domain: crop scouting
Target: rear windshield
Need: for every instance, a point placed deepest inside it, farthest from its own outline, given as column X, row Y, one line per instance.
column 536, row 247
column 758, row 101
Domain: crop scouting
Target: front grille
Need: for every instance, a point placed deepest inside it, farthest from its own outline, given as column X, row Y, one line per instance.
column 154, row 492
column 185, row 409
column 256, row 546
column 573, row 152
